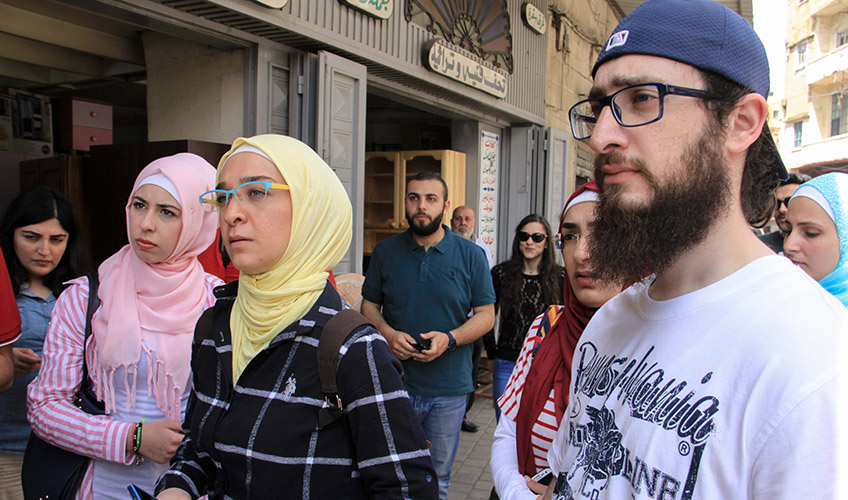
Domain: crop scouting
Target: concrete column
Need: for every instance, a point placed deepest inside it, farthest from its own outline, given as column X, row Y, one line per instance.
column 193, row 91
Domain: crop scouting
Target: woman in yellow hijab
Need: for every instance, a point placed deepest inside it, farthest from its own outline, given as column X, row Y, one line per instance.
column 252, row 423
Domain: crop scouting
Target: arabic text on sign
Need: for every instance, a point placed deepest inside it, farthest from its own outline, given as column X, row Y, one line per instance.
column 377, row 8
column 446, row 60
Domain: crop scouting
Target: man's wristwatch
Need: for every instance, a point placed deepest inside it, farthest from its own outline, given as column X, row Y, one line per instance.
column 451, row 341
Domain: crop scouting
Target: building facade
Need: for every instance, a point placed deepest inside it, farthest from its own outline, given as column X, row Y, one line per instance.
column 815, row 137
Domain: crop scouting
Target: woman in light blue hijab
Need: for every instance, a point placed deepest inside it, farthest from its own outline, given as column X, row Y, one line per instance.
column 818, row 241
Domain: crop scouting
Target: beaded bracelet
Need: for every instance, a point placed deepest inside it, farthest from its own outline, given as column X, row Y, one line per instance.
column 137, row 442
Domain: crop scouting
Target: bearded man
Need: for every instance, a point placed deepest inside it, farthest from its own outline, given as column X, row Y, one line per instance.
column 693, row 382
column 418, row 290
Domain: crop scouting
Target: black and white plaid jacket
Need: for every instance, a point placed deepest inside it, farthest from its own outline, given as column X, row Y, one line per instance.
column 260, row 440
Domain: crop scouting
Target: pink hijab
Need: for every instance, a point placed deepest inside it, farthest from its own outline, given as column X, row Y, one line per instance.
column 151, row 309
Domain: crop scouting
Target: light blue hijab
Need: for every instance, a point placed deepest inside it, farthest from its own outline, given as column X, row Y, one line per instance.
column 830, row 191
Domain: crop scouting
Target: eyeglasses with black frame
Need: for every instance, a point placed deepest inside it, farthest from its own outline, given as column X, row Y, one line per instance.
column 563, row 239
column 250, row 192
column 632, row 106
column 537, row 237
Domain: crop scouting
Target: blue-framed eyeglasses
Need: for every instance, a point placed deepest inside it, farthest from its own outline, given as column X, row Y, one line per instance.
column 632, row 106
column 249, row 192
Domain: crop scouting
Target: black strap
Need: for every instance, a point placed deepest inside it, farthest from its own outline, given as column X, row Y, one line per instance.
column 337, row 329
column 93, row 304
column 332, row 337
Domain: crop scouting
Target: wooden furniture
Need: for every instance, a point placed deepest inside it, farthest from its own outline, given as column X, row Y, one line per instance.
column 110, row 175
column 79, row 124
column 63, row 173
column 386, row 176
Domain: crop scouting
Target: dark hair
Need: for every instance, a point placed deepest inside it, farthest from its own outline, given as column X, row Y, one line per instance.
column 429, row 176
column 759, row 177
column 32, row 207
column 797, row 178
column 551, row 280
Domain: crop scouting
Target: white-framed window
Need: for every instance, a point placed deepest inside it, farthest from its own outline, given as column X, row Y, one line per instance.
column 801, row 53
column 799, row 133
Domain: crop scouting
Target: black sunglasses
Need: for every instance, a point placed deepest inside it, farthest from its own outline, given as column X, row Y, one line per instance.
column 537, row 237
column 785, row 201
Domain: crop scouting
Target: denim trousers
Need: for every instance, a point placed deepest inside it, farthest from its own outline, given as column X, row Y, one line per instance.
column 441, row 419
column 503, row 369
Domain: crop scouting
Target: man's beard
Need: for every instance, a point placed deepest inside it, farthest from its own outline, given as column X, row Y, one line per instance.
column 629, row 243
column 425, row 229
column 463, row 232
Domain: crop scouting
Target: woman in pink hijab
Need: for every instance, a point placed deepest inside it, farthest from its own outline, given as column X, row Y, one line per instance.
column 152, row 292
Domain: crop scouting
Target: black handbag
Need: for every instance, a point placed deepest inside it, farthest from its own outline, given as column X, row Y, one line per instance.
column 50, row 472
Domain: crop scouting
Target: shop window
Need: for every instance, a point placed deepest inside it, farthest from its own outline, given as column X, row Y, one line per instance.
column 799, row 131
column 481, row 27
column 838, row 118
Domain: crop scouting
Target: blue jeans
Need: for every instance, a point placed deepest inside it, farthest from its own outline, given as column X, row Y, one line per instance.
column 441, row 418
column 503, row 369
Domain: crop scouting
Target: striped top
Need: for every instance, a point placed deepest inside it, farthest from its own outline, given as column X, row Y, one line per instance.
column 50, row 410
column 545, row 428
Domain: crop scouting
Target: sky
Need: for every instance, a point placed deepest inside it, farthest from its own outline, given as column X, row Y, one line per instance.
column 770, row 25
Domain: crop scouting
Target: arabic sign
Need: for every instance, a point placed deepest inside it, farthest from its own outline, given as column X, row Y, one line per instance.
column 533, row 18
column 377, row 8
column 274, row 4
column 456, row 63
column 487, row 229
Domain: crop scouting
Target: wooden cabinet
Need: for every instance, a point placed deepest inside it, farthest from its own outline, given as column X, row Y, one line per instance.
column 63, row 173
column 80, row 124
column 386, row 176
column 110, row 175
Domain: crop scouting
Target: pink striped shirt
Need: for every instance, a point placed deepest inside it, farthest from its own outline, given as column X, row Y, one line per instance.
column 545, row 428
column 50, row 410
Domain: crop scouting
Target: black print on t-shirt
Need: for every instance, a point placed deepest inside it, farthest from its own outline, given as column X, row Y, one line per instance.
column 650, row 395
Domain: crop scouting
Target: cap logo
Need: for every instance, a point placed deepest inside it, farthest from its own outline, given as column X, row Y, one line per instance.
column 617, row 39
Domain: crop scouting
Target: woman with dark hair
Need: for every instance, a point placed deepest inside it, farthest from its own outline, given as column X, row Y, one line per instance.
column 525, row 285
column 41, row 243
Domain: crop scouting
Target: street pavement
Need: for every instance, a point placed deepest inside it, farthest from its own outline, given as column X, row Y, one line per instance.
column 472, row 477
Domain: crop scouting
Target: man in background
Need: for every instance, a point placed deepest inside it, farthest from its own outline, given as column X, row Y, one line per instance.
column 462, row 223
column 420, row 286
column 774, row 240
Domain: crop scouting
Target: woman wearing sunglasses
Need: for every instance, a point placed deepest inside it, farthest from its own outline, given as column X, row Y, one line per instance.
column 525, row 285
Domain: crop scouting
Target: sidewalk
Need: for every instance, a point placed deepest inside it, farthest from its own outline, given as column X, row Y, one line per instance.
column 471, row 477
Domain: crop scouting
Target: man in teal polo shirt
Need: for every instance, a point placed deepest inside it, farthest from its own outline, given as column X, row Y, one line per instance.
column 418, row 290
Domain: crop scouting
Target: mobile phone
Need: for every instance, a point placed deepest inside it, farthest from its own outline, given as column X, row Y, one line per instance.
column 541, row 474
column 420, row 347
column 137, row 493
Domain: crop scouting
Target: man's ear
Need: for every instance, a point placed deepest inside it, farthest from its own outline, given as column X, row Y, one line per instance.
column 447, row 207
column 746, row 122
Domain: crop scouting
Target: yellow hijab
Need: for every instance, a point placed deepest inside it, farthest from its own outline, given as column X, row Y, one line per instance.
column 320, row 236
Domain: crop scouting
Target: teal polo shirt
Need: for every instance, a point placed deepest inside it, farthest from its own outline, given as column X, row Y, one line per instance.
column 430, row 291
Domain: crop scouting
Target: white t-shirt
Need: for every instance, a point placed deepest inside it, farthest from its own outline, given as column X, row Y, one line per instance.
column 736, row 390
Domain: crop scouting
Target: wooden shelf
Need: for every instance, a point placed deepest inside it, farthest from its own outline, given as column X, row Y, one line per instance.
column 387, row 172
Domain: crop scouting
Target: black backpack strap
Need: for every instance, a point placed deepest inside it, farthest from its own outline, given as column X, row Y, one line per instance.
column 337, row 329
column 203, row 326
column 93, row 304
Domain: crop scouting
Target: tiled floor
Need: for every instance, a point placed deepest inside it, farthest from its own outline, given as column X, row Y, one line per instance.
column 472, row 477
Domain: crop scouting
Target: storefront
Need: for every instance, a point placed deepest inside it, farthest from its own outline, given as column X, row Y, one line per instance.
column 380, row 89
